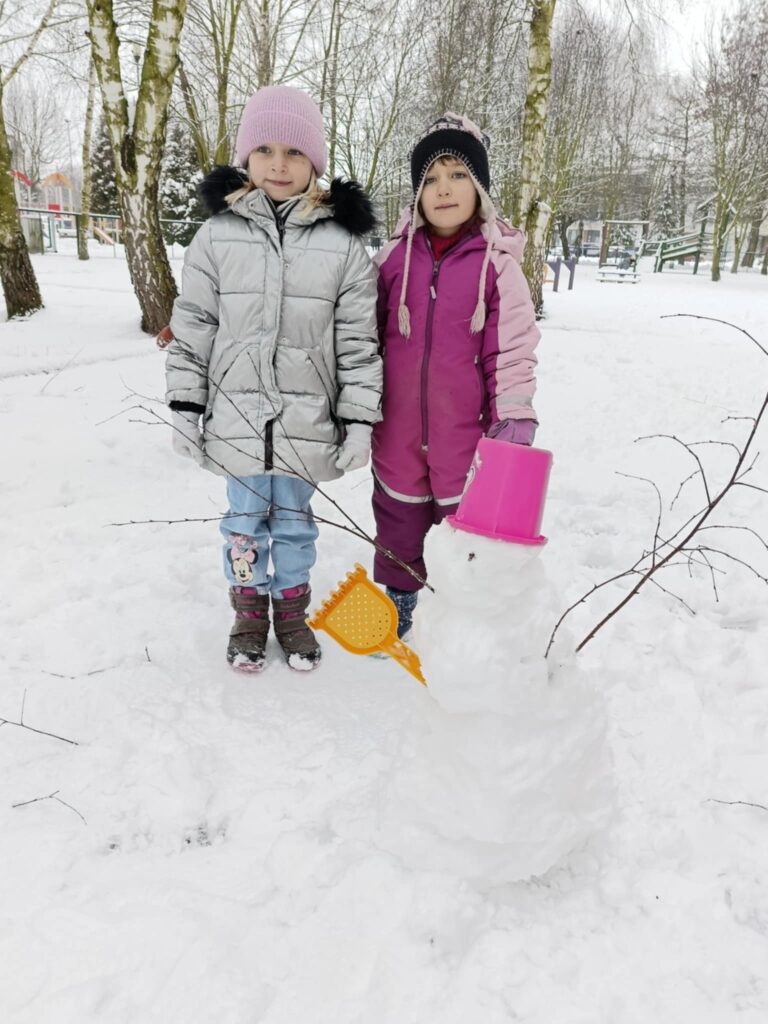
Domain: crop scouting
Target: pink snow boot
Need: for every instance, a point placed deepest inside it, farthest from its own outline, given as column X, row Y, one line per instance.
column 298, row 642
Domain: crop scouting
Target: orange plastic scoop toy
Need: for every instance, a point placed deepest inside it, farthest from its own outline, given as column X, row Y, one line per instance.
column 360, row 617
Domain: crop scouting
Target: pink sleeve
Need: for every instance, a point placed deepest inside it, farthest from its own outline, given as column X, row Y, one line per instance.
column 509, row 342
column 379, row 259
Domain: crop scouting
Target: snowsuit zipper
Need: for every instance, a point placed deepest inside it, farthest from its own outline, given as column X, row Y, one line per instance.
column 436, row 264
column 481, row 382
column 425, row 358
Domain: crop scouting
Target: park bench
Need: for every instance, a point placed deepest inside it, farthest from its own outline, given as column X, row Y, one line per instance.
column 674, row 250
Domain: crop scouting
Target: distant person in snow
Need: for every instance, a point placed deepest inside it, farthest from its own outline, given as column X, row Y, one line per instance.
column 274, row 348
column 458, row 332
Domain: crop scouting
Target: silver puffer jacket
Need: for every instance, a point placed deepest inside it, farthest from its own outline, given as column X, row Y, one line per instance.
column 275, row 330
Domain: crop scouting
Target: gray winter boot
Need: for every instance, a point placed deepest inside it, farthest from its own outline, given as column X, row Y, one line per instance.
column 298, row 642
column 246, row 650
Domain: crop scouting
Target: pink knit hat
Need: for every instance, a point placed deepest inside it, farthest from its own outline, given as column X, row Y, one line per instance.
column 278, row 113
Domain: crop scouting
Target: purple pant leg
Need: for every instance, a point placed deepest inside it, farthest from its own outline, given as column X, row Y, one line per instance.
column 441, row 511
column 401, row 526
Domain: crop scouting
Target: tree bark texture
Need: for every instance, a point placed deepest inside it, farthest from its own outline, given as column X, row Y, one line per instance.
column 530, row 212
column 138, row 150
column 718, row 235
column 20, row 287
column 85, row 201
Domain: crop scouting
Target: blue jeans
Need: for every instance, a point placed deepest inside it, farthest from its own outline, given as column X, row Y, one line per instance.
column 272, row 517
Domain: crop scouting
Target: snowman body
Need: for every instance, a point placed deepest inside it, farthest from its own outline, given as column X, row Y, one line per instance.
column 513, row 770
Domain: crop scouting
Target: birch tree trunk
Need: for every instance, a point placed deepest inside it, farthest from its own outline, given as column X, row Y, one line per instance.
column 85, row 202
column 530, row 212
column 138, row 149
column 20, row 288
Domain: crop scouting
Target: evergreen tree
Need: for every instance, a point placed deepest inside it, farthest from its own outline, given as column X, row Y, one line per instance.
column 622, row 236
column 104, row 197
column 180, row 177
column 666, row 214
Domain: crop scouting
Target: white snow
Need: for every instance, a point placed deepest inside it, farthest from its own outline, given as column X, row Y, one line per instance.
column 240, row 850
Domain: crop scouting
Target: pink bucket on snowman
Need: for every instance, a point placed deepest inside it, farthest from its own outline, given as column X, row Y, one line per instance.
column 505, row 491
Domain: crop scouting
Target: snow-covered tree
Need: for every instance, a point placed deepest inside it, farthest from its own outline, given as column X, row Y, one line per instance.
column 531, row 212
column 180, row 177
column 34, row 117
column 104, row 198
column 580, row 46
column 20, row 287
column 137, row 142
column 85, row 198
column 734, row 85
column 621, row 236
column 666, row 214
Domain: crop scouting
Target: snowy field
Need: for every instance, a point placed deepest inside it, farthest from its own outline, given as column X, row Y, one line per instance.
column 226, row 850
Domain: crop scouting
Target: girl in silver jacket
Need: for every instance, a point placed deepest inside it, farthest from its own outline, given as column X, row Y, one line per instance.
column 274, row 377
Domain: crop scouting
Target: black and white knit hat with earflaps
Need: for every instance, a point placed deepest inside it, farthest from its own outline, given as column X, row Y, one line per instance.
column 456, row 136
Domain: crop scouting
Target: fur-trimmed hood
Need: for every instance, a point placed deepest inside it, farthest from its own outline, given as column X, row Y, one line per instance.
column 345, row 201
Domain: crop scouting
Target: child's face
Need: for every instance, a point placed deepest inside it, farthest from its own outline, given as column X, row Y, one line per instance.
column 448, row 197
column 279, row 170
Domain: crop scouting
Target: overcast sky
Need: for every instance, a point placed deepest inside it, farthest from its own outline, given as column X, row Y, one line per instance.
column 688, row 28
column 679, row 31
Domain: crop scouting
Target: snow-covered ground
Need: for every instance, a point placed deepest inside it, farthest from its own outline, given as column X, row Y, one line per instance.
column 228, row 850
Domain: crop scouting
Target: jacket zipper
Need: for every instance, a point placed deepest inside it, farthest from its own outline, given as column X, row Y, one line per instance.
column 425, row 358
column 270, row 424
column 268, row 453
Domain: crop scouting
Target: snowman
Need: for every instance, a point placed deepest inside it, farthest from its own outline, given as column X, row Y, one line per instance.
column 512, row 772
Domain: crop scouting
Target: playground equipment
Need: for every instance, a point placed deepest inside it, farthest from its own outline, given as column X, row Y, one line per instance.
column 623, row 268
column 57, row 192
column 610, row 272
column 39, row 228
column 606, row 242
column 555, row 266
column 42, row 227
column 23, row 187
column 360, row 617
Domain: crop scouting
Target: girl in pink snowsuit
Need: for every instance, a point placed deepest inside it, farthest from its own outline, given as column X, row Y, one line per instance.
column 458, row 333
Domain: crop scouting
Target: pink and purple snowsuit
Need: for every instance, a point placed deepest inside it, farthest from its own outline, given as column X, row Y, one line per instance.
column 444, row 387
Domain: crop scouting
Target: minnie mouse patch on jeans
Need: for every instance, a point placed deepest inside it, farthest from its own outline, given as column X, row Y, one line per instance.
column 242, row 555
